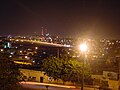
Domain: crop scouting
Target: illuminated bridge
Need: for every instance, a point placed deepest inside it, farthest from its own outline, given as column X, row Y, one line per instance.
column 31, row 51
column 40, row 43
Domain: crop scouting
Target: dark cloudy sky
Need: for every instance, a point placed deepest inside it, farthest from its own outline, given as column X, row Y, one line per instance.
column 66, row 18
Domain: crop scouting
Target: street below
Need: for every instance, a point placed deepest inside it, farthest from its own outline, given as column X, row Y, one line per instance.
column 36, row 85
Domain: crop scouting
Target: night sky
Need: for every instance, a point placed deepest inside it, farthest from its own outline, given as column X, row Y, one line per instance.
column 65, row 18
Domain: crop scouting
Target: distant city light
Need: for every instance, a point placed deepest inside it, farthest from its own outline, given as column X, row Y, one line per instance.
column 20, row 51
column 12, row 53
column 1, row 50
column 17, row 40
column 26, row 57
column 10, row 56
column 36, row 47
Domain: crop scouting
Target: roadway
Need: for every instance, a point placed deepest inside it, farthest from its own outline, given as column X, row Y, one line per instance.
column 36, row 85
column 41, row 43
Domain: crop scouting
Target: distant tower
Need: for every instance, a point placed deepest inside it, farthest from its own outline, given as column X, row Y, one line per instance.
column 45, row 31
column 42, row 33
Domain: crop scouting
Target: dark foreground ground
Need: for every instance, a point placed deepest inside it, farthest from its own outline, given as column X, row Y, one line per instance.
column 26, row 88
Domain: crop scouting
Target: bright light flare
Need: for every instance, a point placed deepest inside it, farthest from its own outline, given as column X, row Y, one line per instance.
column 83, row 47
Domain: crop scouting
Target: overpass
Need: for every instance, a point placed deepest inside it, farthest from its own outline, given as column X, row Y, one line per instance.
column 40, row 43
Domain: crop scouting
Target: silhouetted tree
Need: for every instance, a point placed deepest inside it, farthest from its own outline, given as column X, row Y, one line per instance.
column 9, row 73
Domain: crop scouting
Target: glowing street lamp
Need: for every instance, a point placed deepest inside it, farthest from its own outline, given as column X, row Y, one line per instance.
column 83, row 48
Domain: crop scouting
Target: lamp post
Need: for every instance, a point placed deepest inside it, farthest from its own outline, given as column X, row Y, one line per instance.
column 83, row 49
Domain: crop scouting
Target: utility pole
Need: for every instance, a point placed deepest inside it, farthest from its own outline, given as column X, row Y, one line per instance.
column 58, row 52
column 118, row 73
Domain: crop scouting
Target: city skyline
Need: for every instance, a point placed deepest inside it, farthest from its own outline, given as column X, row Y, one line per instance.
column 66, row 18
